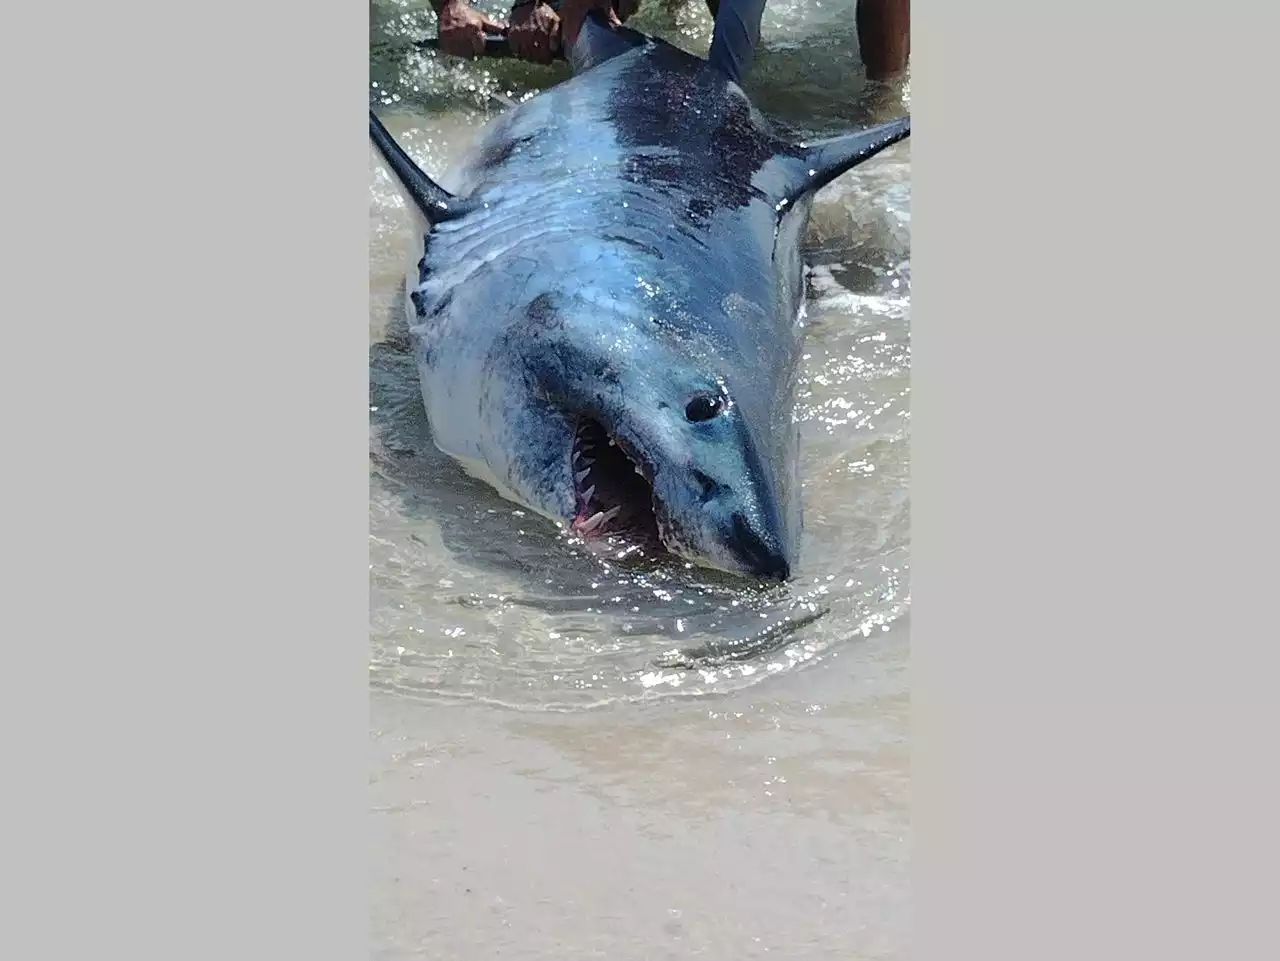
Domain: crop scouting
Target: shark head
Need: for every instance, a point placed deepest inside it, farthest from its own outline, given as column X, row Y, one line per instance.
column 615, row 430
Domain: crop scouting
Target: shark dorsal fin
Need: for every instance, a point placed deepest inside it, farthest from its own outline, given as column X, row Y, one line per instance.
column 598, row 42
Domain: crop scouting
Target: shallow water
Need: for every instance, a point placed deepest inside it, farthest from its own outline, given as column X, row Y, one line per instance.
column 686, row 724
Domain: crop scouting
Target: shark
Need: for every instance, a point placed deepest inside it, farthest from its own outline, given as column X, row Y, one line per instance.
column 607, row 317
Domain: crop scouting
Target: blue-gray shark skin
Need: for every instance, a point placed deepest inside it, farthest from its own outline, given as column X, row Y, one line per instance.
column 606, row 320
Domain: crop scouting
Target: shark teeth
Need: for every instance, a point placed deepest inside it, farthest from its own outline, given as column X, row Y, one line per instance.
column 581, row 475
column 595, row 520
column 586, row 494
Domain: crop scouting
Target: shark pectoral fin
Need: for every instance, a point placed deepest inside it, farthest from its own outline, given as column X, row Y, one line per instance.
column 436, row 203
column 824, row 160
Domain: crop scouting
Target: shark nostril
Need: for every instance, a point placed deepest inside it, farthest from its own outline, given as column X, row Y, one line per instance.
column 709, row 486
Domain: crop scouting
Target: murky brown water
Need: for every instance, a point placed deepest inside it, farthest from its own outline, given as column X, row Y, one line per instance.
column 573, row 760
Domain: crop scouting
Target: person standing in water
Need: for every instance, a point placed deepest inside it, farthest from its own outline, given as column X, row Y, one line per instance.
column 535, row 27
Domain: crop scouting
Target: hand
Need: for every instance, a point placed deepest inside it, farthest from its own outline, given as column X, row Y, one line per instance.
column 535, row 32
column 462, row 30
column 573, row 12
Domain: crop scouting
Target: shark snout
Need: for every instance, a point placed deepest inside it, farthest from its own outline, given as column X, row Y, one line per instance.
column 725, row 510
column 759, row 552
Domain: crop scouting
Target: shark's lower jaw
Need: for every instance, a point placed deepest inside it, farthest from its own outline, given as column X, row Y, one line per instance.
column 612, row 493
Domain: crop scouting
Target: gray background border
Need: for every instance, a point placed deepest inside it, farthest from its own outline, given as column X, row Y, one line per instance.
column 185, row 647
column 1093, row 483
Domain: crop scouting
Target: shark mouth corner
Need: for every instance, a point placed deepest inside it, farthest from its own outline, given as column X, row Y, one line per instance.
column 613, row 493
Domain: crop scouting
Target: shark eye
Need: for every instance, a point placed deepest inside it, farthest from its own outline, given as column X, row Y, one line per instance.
column 703, row 407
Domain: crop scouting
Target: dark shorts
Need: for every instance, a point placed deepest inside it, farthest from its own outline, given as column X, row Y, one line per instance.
column 737, row 32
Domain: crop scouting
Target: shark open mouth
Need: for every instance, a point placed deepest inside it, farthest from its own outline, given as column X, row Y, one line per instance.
column 612, row 491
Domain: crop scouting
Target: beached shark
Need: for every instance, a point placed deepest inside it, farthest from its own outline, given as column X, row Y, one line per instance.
column 606, row 319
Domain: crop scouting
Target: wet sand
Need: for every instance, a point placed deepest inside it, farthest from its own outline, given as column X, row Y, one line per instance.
column 760, row 823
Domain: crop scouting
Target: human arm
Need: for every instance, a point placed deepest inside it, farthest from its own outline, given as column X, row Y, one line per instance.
column 462, row 29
